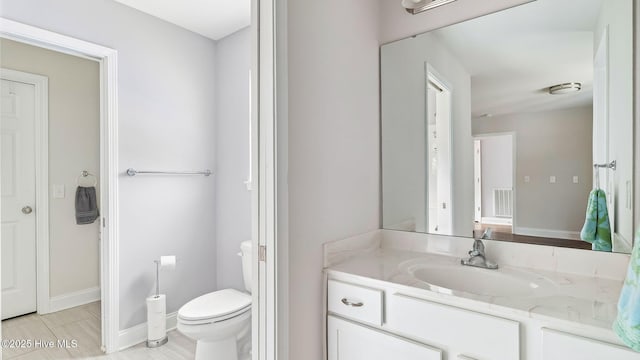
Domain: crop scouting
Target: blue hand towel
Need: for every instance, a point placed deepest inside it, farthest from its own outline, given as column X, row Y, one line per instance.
column 596, row 229
column 627, row 324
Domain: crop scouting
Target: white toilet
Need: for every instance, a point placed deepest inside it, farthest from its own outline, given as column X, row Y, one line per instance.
column 218, row 320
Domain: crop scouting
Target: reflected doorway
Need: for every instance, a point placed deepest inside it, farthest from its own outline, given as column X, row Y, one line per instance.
column 494, row 170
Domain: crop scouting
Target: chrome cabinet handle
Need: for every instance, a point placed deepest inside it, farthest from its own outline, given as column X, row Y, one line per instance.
column 349, row 303
column 27, row 210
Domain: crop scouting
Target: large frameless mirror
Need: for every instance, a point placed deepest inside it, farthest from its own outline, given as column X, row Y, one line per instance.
column 503, row 127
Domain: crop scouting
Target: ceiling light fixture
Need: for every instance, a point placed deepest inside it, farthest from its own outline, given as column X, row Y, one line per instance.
column 417, row 6
column 565, row 88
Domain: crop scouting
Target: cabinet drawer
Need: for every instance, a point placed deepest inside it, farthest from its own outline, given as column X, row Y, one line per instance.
column 557, row 345
column 355, row 302
column 458, row 331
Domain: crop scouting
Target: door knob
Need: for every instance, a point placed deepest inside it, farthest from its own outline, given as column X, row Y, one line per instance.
column 27, row 210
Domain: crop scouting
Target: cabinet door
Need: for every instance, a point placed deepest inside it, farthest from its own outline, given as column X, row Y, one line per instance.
column 350, row 341
column 562, row 346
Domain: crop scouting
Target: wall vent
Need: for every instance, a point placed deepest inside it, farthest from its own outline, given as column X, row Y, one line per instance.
column 503, row 203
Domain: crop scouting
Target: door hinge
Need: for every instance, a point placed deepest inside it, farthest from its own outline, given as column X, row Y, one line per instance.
column 262, row 253
column 104, row 222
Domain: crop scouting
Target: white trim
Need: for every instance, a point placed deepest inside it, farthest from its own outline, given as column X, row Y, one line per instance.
column 138, row 334
column 108, row 59
column 497, row 221
column 73, row 299
column 41, row 138
column 264, row 205
column 554, row 234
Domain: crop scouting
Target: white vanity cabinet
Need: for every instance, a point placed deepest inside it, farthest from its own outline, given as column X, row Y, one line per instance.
column 347, row 340
column 462, row 333
column 368, row 323
column 368, row 319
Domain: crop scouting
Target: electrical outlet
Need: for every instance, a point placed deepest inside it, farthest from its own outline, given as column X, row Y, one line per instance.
column 552, row 179
column 527, row 179
column 575, row 180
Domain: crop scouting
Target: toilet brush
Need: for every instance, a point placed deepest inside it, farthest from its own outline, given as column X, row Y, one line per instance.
column 157, row 307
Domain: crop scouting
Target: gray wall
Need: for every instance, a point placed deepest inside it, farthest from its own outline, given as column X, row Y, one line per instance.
column 333, row 129
column 557, row 143
column 166, row 121
column 233, row 205
column 74, row 130
column 403, row 132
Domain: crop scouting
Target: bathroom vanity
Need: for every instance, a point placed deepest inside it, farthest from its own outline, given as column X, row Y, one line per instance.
column 497, row 128
column 392, row 294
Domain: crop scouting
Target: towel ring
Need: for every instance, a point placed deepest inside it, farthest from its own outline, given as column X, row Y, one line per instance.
column 86, row 174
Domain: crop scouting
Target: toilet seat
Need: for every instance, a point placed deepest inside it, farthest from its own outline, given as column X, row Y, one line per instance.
column 214, row 307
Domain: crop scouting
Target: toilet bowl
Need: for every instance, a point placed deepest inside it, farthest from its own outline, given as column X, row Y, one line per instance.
column 220, row 319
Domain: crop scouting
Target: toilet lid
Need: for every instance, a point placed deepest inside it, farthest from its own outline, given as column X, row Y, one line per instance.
column 215, row 304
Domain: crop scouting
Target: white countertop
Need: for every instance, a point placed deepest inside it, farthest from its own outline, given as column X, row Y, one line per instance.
column 578, row 299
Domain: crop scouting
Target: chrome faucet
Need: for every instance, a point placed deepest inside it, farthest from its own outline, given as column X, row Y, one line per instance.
column 477, row 257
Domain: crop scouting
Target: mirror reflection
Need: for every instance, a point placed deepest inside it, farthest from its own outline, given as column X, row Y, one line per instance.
column 505, row 127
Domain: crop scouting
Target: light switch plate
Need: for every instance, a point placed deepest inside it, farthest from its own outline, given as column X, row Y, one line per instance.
column 58, row 191
column 575, row 180
column 552, row 179
column 527, row 179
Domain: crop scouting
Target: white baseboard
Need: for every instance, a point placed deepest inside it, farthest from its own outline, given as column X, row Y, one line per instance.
column 138, row 334
column 76, row 298
column 406, row 225
column 497, row 221
column 556, row 234
column 621, row 244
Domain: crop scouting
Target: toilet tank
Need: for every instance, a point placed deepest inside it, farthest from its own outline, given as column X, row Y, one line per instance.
column 247, row 272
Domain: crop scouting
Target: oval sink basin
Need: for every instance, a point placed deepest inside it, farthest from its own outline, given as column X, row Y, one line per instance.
column 502, row 282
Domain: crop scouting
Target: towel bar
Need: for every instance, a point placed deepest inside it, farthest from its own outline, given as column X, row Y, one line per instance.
column 611, row 165
column 134, row 172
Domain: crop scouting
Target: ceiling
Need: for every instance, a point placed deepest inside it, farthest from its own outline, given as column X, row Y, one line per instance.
column 214, row 19
column 513, row 56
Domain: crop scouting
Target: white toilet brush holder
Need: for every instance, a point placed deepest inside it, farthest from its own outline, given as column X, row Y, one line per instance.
column 157, row 307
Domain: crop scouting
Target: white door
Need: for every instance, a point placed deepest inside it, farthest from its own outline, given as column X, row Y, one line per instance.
column 349, row 341
column 432, row 162
column 17, row 186
column 601, row 141
column 477, row 180
column 439, row 154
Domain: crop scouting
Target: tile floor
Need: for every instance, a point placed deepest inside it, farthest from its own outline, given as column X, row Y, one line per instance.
column 82, row 324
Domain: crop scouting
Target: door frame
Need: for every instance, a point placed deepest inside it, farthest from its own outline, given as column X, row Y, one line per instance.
column 41, row 152
column 270, row 291
column 109, row 243
column 514, row 162
column 264, row 162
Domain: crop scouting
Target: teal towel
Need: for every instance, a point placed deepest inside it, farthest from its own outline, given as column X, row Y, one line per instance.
column 596, row 229
column 627, row 324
